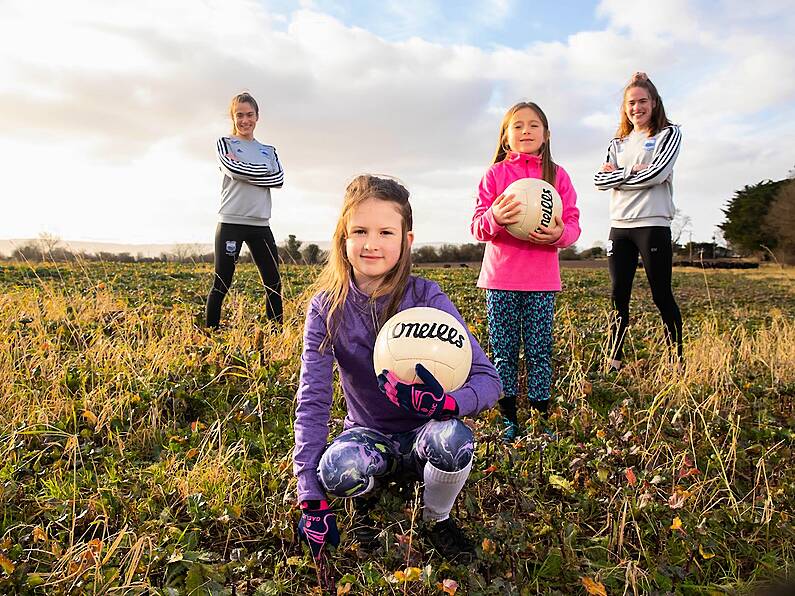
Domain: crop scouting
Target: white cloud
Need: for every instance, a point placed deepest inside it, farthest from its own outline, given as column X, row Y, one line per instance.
column 600, row 120
column 120, row 109
column 493, row 13
column 650, row 20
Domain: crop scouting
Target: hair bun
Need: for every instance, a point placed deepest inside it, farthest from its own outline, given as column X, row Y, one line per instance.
column 639, row 76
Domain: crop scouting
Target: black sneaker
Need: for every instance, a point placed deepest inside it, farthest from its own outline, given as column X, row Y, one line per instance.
column 364, row 530
column 365, row 533
column 449, row 541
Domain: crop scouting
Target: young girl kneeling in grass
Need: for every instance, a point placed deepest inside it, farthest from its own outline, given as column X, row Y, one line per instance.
column 416, row 432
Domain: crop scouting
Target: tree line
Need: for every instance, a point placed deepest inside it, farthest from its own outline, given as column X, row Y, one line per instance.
column 291, row 251
column 759, row 222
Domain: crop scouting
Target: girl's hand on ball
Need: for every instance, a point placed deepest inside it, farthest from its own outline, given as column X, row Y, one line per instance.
column 548, row 235
column 426, row 399
column 608, row 167
column 506, row 211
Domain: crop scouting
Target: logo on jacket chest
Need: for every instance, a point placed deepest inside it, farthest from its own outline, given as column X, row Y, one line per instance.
column 649, row 144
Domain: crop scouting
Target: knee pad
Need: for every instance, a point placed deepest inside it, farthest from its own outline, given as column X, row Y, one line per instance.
column 350, row 465
column 448, row 445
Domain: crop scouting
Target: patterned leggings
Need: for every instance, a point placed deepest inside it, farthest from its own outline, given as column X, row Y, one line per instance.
column 517, row 317
column 359, row 458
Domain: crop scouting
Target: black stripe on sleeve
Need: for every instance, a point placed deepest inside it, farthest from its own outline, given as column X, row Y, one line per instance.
column 608, row 180
column 256, row 174
column 662, row 160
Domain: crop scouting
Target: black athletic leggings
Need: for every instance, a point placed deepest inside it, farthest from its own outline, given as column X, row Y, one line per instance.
column 229, row 239
column 653, row 243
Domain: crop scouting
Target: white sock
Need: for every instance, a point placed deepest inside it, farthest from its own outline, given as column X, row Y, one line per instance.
column 441, row 490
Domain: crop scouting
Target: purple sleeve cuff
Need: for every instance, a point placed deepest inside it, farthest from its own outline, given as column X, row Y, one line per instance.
column 309, row 488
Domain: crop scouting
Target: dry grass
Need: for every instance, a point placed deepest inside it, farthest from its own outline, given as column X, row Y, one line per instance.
column 143, row 452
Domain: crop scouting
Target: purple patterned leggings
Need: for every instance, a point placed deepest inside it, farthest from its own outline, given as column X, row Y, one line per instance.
column 357, row 459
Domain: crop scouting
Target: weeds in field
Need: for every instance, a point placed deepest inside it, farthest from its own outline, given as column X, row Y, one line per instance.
column 141, row 453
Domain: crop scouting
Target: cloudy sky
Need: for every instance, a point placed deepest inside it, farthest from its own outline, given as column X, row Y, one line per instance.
column 109, row 109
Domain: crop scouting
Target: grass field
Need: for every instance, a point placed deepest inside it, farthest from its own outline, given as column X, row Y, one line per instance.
column 140, row 454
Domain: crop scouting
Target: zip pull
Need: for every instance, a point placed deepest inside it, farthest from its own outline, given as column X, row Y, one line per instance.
column 375, row 319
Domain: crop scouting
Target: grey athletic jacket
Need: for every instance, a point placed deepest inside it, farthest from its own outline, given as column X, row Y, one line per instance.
column 643, row 198
column 247, row 180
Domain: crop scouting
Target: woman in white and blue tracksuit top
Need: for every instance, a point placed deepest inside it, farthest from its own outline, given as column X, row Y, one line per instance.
column 250, row 169
column 639, row 172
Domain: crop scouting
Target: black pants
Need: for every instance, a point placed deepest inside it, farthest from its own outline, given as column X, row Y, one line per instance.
column 229, row 239
column 654, row 246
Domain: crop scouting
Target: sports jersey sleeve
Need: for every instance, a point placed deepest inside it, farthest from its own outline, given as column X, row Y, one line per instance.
column 662, row 163
column 266, row 175
column 614, row 179
column 483, row 387
column 484, row 227
column 315, row 393
column 571, row 214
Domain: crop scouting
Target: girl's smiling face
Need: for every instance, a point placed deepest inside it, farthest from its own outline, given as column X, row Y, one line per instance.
column 525, row 132
column 245, row 117
column 373, row 242
column 639, row 107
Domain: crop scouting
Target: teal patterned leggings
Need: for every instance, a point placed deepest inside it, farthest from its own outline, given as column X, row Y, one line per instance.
column 517, row 317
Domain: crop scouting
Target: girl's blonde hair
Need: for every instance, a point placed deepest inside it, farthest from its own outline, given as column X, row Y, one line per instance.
column 238, row 99
column 334, row 281
column 658, row 118
column 548, row 167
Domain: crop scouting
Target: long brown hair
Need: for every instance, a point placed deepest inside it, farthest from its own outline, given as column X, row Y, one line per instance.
column 334, row 281
column 238, row 99
column 548, row 167
column 658, row 118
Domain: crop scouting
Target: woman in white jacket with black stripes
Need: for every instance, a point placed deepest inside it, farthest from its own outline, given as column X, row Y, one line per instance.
column 249, row 170
column 639, row 173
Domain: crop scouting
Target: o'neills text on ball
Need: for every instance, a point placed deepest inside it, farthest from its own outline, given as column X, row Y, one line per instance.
column 546, row 208
column 429, row 331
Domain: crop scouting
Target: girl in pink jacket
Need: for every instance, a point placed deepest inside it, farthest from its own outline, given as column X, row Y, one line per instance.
column 521, row 277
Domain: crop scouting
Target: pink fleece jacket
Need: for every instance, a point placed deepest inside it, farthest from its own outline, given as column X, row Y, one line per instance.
column 510, row 263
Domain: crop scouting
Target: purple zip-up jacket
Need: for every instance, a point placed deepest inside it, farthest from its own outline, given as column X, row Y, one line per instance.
column 367, row 406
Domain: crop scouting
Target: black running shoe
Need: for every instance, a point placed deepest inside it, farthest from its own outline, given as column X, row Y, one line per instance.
column 365, row 533
column 364, row 530
column 449, row 541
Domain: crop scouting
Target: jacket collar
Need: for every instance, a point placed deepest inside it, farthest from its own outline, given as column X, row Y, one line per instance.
column 361, row 299
column 514, row 157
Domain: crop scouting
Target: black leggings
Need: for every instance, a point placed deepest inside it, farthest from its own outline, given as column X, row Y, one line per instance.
column 229, row 239
column 654, row 246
